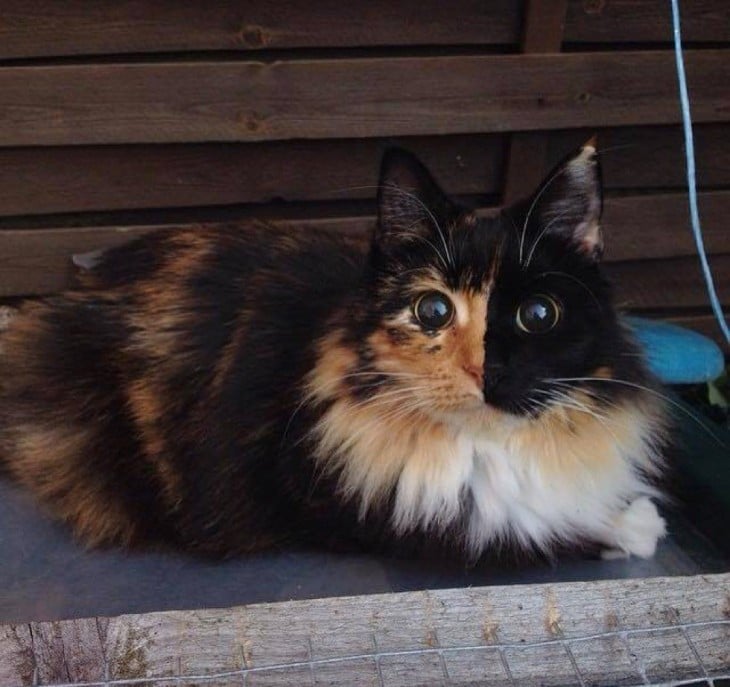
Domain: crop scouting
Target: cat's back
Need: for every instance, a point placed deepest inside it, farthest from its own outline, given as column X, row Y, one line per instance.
column 117, row 398
column 227, row 256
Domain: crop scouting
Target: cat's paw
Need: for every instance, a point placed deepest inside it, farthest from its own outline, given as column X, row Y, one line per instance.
column 636, row 531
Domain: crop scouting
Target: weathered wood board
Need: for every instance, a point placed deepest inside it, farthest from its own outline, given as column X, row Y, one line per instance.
column 36, row 261
column 46, row 28
column 256, row 101
column 579, row 633
column 44, row 180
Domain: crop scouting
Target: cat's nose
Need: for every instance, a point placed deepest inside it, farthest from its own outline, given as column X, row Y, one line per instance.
column 476, row 372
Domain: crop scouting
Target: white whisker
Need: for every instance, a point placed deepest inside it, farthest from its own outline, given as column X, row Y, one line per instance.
column 649, row 390
column 537, row 197
column 559, row 217
column 430, row 214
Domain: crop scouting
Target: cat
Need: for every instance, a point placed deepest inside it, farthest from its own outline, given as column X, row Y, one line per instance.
column 458, row 383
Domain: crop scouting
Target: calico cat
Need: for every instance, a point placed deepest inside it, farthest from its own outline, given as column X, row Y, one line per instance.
column 460, row 383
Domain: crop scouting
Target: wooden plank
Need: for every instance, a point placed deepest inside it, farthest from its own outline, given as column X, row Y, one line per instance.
column 527, row 160
column 657, row 226
column 669, row 283
column 543, row 26
column 642, row 227
column 45, row 28
column 615, row 627
column 39, row 260
column 646, row 157
column 645, row 21
column 83, row 178
column 249, row 101
column 76, row 27
column 90, row 178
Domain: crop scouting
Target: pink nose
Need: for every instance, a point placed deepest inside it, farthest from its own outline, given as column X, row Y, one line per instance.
column 476, row 373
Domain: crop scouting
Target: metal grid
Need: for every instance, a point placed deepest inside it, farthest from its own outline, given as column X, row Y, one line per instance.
column 310, row 671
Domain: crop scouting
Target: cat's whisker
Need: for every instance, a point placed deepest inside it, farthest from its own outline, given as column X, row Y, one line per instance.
column 563, row 400
column 385, row 418
column 604, row 400
column 418, row 236
column 430, row 214
column 545, row 230
column 387, row 396
column 649, row 390
column 537, row 197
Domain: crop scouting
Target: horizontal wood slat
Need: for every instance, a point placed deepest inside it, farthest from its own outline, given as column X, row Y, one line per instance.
column 250, row 101
column 670, row 283
column 82, row 178
column 671, row 629
column 78, row 27
column 640, row 157
column 645, row 21
column 38, row 260
column 657, row 226
column 48, row 28
column 96, row 178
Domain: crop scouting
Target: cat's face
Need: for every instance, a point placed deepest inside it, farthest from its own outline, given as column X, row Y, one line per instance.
column 503, row 315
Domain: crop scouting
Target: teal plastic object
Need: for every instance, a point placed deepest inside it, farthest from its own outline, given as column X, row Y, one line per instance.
column 677, row 355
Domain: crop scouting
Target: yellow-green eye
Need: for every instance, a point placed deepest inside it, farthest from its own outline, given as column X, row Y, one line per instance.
column 538, row 314
column 434, row 310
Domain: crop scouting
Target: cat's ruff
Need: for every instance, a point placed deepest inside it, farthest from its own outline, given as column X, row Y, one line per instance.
column 568, row 475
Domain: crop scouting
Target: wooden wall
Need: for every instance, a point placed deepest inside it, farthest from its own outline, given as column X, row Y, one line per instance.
column 120, row 116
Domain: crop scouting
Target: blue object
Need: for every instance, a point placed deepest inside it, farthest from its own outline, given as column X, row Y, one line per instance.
column 689, row 149
column 677, row 355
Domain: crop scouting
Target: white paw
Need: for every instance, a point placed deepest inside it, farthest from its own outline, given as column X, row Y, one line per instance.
column 636, row 531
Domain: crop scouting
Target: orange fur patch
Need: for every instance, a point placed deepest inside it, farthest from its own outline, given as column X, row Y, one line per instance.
column 46, row 459
column 147, row 411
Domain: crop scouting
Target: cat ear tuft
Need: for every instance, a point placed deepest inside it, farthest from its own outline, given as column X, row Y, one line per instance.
column 570, row 201
column 410, row 202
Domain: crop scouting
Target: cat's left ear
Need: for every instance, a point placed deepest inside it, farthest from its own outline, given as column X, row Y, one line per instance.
column 569, row 202
column 410, row 202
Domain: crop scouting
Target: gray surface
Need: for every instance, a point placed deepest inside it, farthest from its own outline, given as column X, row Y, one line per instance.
column 45, row 575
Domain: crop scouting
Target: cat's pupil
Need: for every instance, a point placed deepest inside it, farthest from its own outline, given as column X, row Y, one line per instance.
column 434, row 310
column 538, row 314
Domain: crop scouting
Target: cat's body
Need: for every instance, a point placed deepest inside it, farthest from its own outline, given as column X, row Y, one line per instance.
column 223, row 390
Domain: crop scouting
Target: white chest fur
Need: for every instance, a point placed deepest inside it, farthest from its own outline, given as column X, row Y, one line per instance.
column 564, row 478
column 539, row 484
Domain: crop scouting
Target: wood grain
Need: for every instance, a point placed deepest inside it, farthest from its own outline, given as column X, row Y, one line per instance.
column 527, row 160
column 645, row 21
column 449, row 637
column 45, row 28
column 669, row 283
column 76, row 27
column 652, row 157
column 640, row 227
column 83, row 178
column 657, row 225
column 94, row 178
column 249, row 101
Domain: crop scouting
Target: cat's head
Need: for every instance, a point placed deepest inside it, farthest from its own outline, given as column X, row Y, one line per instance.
column 507, row 314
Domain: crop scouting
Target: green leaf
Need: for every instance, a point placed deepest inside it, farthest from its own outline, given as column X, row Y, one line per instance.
column 715, row 396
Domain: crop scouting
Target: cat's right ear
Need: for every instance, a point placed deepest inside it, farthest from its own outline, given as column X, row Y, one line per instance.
column 410, row 202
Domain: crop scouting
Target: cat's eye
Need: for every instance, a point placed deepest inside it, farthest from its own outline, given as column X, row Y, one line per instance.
column 434, row 310
column 538, row 314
